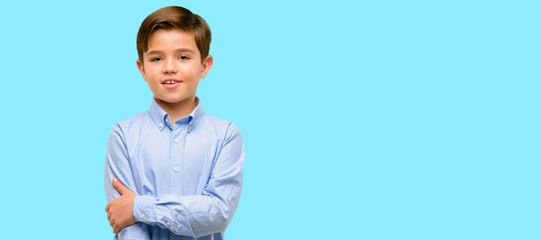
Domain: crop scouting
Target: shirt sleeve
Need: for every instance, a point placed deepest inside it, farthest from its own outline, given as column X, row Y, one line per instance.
column 117, row 166
column 210, row 212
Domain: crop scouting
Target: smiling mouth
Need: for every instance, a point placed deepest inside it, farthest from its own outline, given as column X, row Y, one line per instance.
column 171, row 83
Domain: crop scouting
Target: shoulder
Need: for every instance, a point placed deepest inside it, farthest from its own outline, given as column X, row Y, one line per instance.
column 219, row 126
column 132, row 123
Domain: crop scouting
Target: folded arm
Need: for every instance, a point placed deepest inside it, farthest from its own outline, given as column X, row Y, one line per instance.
column 194, row 215
column 200, row 215
column 117, row 167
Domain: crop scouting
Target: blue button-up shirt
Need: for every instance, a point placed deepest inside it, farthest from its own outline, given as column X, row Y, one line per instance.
column 187, row 177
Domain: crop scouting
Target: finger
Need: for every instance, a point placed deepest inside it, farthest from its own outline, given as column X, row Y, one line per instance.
column 112, row 224
column 107, row 207
column 120, row 187
column 109, row 216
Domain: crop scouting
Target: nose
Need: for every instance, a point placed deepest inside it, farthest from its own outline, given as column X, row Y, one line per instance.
column 170, row 66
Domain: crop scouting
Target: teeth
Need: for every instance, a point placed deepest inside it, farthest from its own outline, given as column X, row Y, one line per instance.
column 169, row 82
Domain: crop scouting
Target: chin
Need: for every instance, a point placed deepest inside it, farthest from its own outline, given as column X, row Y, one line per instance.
column 172, row 100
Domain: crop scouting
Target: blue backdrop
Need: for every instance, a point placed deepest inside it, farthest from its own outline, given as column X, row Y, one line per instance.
column 361, row 119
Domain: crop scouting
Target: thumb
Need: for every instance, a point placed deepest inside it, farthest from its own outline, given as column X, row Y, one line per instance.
column 120, row 187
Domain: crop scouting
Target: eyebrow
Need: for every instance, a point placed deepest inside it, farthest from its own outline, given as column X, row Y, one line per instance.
column 180, row 50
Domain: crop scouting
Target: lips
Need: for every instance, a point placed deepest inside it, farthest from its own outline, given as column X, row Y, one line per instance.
column 171, row 83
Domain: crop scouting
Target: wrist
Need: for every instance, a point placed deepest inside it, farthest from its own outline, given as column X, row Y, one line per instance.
column 144, row 208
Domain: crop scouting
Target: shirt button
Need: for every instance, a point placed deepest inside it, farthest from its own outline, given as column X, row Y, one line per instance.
column 161, row 125
column 168, row 223
column 176, row 169
column 190, row 127
column 142, row 215
column 176, row 140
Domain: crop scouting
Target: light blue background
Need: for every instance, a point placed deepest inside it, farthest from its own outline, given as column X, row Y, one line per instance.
column 361, row 119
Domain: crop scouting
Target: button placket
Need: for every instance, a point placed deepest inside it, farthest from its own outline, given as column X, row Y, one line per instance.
column 177, row 146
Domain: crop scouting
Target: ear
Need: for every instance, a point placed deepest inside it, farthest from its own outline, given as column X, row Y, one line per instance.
column 141, row 68
column 207, row 64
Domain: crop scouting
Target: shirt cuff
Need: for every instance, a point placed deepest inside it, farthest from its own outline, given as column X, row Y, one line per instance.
column 144, row 209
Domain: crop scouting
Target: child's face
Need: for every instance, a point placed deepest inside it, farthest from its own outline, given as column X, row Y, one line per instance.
column 172, row 66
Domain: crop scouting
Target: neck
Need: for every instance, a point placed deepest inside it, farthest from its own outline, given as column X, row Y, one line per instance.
column 177, row 110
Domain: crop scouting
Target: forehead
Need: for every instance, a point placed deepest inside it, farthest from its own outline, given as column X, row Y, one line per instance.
column 170, row 40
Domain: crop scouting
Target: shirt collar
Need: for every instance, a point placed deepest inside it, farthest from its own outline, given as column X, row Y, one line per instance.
column 159, row 115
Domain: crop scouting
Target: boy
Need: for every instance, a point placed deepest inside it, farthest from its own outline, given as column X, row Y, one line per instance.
column 173, row 172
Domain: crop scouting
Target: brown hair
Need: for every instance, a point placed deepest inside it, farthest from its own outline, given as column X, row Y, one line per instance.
column 174, row 17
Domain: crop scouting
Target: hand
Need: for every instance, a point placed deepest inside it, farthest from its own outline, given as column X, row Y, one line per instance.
column 120, row 210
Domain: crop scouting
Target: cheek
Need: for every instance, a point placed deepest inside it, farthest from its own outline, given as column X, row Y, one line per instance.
column 152, row 74
column 191, row 71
